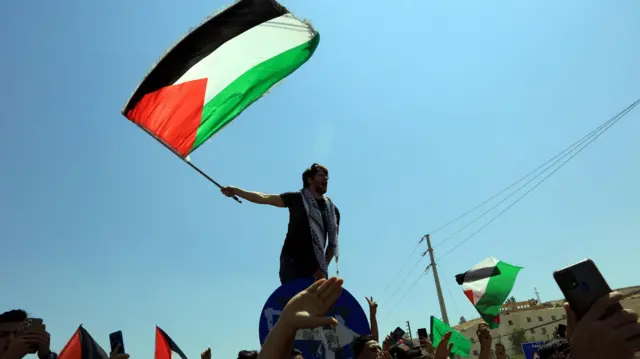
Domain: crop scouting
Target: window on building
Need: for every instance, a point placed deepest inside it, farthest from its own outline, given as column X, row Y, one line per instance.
column 540, row 319
column 553, row 317
column 472, row 340
column 475, row 352
column 511, row 322
column 528, row 320
column 533, row 330
column 544, row 330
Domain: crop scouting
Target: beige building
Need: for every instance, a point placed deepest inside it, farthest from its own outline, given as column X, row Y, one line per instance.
column 536, row 321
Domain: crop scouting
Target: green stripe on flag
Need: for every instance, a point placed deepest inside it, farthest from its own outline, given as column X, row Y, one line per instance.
column 249, row 87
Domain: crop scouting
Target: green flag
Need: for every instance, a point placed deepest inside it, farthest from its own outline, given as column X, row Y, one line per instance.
column 461, row 345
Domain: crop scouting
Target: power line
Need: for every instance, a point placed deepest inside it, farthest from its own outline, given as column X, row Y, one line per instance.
column 401, row 268
column 525, row 184
column 609, row 125
column 407, row 292
column 563, row 152
column 405, row 278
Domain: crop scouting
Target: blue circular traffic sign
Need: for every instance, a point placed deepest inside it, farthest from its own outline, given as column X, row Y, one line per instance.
column 319, row 343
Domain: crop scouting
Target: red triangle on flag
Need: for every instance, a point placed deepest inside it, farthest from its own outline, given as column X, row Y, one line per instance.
column 172, row 114
column 166, row 347
column 469, row 294
column 82, row 346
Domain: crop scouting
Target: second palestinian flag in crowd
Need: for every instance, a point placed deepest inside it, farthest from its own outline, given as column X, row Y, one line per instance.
column 218, row 70
column 488, row 285
column 82, row 346
column 166, row 348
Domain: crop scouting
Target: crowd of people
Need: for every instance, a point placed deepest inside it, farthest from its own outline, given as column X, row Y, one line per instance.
column 599, row 334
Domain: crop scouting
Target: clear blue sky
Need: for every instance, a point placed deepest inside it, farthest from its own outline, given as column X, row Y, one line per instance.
column 420, row 109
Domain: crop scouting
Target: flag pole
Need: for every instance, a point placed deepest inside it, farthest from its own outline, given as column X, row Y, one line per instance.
column 206, row 176
column 185, row 160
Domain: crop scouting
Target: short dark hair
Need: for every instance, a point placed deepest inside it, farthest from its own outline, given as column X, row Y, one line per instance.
column 248, row 354
column 13, row 316
column 359, row 343
column 311, row 172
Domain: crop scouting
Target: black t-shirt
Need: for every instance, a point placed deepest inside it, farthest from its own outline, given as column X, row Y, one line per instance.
column 298, row 245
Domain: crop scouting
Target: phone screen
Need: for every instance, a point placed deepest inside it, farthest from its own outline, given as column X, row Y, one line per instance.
column 115, row 339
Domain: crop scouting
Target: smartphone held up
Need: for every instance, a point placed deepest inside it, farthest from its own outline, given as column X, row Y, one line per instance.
column 582, row 285
column 117, row 342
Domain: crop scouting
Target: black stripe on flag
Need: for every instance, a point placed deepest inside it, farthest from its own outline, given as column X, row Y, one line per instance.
column 477, row 274
column 172, row 345
column 90, row 349
column 203, row 41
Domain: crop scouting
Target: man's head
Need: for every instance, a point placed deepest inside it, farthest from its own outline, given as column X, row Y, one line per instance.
column 248, row 354
column 365, row 347
column 296, row 354
column 316, row 178
column 10, row 324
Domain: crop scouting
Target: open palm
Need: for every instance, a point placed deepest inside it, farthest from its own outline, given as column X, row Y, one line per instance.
column 307, row 309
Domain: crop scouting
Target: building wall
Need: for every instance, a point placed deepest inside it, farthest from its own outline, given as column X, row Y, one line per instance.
column 539, row 325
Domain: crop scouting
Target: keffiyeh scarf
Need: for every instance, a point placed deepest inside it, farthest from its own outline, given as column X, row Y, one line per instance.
column 317, row 228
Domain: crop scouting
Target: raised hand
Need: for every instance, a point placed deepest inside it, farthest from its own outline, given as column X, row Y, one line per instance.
column 206, row 354
column 484, row 335
column 18, row 348
column 116, row 355
column 40, row 339
column 228, row 191
column 444, row 348
column 373, row 306
column 598, row 336
column 307, row 309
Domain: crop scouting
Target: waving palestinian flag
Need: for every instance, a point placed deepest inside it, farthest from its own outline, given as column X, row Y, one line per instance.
column 488, row 285
column 218, row 70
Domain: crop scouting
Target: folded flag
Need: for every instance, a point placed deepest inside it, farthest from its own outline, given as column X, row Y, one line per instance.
column 82, row 346
column 488, row 285
column 166, row 348
column 461, row 345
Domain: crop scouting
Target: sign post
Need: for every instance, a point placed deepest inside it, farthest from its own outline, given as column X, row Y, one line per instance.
column 530, row 349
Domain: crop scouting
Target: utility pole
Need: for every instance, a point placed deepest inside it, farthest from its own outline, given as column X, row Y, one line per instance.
column 535, row 290
column 443, row 307
column 409, row 328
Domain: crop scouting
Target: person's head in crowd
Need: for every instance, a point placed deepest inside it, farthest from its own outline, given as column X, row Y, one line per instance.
column 10, row 323
column 248, row 354
column 501, row 351
column 365, row 347
column 316, row 178
column 296, row 354
column 555, row 349
column 403, row 351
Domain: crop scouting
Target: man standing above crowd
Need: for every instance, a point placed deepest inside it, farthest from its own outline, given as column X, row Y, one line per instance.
column 313, row 221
